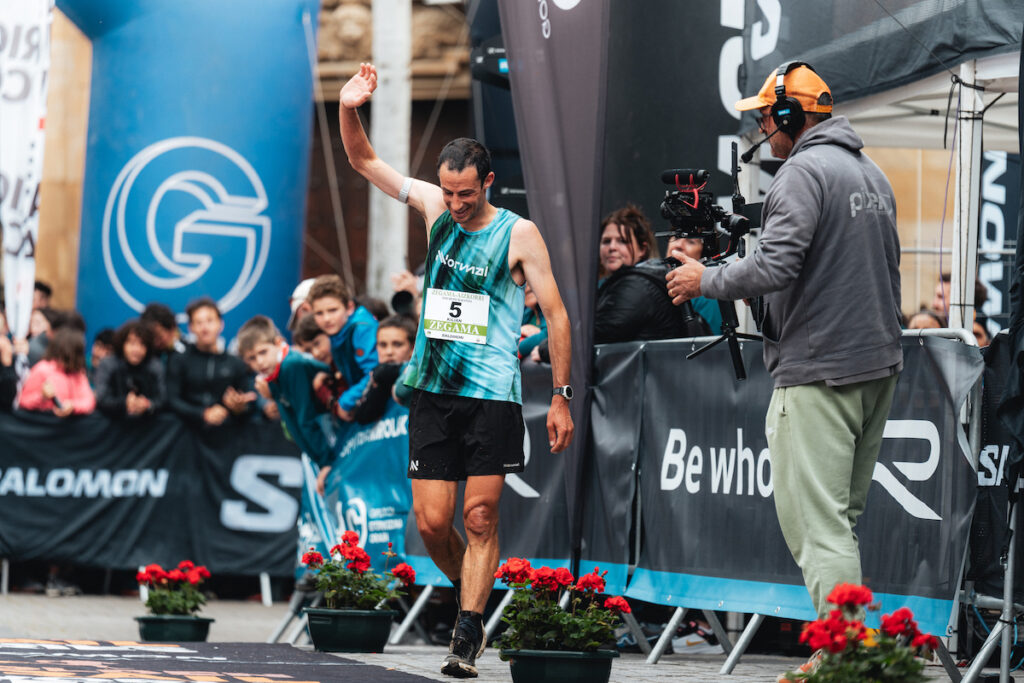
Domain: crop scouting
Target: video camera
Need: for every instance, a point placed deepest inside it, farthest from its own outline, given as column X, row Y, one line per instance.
column 692, row 213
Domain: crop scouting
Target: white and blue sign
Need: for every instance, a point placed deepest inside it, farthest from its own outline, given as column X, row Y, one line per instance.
column 198, row 155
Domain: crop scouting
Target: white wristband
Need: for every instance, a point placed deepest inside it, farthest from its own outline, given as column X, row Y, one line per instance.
column 403, row 194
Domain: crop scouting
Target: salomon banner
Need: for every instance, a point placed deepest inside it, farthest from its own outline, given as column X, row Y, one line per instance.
column 198, row 155
column 24, row 63
column 120, row 494
column 711, row 536
column 534, row 518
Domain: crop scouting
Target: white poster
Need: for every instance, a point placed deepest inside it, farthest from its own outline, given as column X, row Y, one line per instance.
column 24, row 63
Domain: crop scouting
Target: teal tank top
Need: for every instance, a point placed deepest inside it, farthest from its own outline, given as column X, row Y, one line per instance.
column 468, row 337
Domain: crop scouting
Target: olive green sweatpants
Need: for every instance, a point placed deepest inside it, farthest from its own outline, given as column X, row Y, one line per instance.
column 824, row 442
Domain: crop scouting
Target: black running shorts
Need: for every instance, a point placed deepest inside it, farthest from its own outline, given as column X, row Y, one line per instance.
column 454, row 437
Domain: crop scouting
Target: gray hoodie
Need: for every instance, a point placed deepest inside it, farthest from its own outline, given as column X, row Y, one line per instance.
column 827, row 264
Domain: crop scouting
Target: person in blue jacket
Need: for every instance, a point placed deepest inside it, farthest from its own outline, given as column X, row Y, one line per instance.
column 289, row 377
column 353, row 333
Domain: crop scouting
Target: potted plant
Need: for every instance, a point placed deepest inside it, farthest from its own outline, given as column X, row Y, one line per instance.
column 352, row 620
column 845, row 650
column 173, row 600
column 543, row 641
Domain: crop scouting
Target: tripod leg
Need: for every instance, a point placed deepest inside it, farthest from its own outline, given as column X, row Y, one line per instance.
column 294, row 610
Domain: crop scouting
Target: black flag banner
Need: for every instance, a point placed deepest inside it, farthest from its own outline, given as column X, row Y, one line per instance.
column 556, row 61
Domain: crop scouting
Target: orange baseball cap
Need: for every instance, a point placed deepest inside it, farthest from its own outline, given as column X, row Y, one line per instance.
column 802, row 84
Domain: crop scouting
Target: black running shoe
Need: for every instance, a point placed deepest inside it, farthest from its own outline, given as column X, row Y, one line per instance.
column 468, row 643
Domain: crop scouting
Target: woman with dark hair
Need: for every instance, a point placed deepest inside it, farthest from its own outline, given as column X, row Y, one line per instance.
column 633, row 301
column 626, row 240
column 130, row 383
column 58, row 383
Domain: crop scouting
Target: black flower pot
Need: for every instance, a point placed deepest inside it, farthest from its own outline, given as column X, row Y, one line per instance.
column 560, row 666
column 349, row 630
column 173, row 628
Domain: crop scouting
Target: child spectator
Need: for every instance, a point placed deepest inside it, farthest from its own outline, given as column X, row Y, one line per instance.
column 102, row 347
column 395, row 338
column 309, row 338
column 130, row 383
column 534, row 329
column 41, row 324
column 205, row 386
column 166, row 335
column 57, row 383
column 353, row 333
column 8, row 375
column 289, row 377
column 41, row 295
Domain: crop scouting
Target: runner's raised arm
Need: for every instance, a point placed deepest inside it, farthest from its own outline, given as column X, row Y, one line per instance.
column 422, row 196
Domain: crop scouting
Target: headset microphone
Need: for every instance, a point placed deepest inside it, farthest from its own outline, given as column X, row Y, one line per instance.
column 749, row 154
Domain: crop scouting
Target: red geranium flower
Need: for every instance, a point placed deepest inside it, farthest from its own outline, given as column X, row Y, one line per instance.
column 312, row 559
column 194, row 576
column 617, row 604
column 404, row 573
column 142, row 577
column 563, row 577
column 186, row 565
column 925, row 640
column 899, row 623
column 350, row 538
column 358, row 566
column 591, row 582
column 515, row 570
column 850, row 594
column 543, row 579
column 176, row 575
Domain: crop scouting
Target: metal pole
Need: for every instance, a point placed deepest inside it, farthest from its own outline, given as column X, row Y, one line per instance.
column 666, row 636
column 390, row 116
column 741, row 645
column 410, row 618
column 1007, row 615
column 495, row 619
column 968, row 174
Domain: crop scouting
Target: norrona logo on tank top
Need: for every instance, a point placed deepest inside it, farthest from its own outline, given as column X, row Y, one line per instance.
column 479, row 271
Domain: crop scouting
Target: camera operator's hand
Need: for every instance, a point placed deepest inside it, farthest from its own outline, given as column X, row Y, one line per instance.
column 684, row 281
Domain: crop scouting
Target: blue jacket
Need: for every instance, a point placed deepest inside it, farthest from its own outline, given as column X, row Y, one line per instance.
column 299, row 408
column 354, row 349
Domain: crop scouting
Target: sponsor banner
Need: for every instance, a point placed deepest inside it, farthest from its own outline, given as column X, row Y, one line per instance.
column 610, row 476
column 198, row 155
column 24, row 63
column 534, row 517
column 997, row 229
column 367, row 489
column 121, row 494
column 710, row 535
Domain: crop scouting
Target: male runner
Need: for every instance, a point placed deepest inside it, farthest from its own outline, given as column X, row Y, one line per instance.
column 465, row 413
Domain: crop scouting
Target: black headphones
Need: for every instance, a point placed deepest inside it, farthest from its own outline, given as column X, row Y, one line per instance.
column 787, row 112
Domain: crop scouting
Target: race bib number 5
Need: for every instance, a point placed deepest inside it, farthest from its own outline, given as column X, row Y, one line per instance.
column 456, row 316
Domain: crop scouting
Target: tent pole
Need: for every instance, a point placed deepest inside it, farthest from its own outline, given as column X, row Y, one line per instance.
column 968, row 177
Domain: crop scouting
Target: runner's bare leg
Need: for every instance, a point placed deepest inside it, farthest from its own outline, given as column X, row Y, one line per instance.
column 433, row 502
column 480, row 515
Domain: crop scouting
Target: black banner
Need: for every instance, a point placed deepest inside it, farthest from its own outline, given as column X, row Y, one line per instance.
column 861, row 48
column 120, row 494
column 710, row 536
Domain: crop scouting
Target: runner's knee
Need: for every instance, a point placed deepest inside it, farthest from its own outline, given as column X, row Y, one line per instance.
column 481, row 520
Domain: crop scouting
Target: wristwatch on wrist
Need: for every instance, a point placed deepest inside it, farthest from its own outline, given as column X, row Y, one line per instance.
column 563, row 391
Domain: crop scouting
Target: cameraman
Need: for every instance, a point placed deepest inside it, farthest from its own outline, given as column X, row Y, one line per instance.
column 829, row 229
